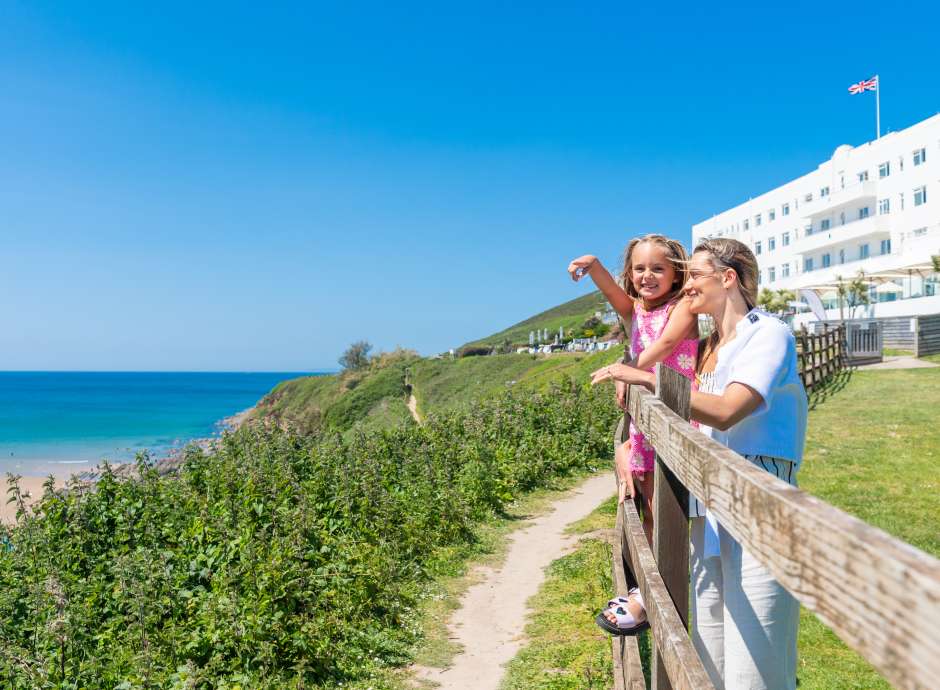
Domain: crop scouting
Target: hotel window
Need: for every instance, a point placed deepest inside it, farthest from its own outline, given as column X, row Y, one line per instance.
column 771, row 215
column 900, row 163
column 771, row 244
column 863, row 251
column 901, row 196
column 920, row 196
column 920, row 232
column 808, row 197
column 785, row 209
column 747, row 223
column 808, row 264
column 757, row 220
column 863, row 176
column 757, row 247
column 884, row 169
column 863, row 212
column 760, row 277
column 920, row 155
column 886, row 246
column 826, row 260
column 884, row 206
column 841, row 256
column 824, row 191
column 785, row 270
column 824, row 224
column 771, row 274
column 786, row 239
column 842, row 218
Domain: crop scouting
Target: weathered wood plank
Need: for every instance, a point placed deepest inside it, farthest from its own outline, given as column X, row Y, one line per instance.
column 682, row 663
column 628, row 666
column 837, row 566
column 670, row 513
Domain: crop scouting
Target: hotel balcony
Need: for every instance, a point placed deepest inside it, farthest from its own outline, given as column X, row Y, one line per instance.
column 872, row 227
column 838, row 199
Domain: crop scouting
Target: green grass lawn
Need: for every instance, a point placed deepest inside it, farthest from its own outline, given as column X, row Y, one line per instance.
column 872, row 450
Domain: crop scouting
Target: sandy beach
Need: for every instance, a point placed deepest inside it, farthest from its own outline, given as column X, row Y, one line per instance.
column 30, row 485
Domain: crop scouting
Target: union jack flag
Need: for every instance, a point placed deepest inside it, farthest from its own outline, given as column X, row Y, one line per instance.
column 864, row 85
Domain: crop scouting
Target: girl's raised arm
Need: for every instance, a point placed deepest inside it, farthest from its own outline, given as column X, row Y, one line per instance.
column 618, row 298
column 680, row 324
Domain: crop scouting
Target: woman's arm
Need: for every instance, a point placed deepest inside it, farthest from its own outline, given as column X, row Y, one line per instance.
column 717, row 411
column 677, row 329
column 616, row 295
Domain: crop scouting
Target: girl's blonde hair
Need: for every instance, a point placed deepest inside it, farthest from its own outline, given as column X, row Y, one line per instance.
column 726, row 253
column 675, row 252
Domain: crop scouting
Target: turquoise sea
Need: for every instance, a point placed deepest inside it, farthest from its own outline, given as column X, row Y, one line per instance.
column 66, row 422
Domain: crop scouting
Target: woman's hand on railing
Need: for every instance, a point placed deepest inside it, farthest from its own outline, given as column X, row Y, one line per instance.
column 621, row 388
column 581, row 266
column 625, row 374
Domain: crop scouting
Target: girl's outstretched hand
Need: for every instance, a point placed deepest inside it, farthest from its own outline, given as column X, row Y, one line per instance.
column 581, row 266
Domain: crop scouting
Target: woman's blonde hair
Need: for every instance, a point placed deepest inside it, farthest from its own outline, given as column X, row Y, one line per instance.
column 726, row 253
column 675, row 252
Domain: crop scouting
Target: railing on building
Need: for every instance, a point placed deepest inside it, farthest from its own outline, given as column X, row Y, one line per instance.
column 837, row 566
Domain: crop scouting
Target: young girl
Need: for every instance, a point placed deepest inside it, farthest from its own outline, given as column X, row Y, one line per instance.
column 663, row 330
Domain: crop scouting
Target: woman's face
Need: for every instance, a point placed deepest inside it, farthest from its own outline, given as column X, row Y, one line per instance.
column 705, row 287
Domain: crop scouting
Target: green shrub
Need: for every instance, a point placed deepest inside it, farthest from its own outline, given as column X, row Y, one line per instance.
column 277, row 561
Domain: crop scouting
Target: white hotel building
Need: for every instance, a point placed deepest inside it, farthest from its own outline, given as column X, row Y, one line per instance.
column 873, row 208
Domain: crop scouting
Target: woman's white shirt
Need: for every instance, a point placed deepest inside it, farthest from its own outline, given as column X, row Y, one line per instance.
column 762, row 356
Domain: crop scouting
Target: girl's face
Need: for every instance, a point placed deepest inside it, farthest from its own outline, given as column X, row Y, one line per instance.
column 705, row 287
column 651, row 272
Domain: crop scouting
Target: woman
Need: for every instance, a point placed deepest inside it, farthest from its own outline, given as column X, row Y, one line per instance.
column 749, row 398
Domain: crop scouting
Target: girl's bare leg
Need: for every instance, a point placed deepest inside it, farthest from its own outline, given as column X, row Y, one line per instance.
column 645, row 482
column 625, row 477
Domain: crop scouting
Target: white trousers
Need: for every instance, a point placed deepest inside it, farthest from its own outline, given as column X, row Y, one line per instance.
column 744, row 624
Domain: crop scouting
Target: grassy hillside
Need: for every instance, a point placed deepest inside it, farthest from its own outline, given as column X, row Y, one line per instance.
column 568, row 315
column 376, row 397
column 441, row 384
column 371, row 398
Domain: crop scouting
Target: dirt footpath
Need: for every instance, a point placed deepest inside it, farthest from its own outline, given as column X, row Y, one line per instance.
column 492, row 614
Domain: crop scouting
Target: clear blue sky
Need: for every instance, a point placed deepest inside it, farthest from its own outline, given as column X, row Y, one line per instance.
column 230, row 186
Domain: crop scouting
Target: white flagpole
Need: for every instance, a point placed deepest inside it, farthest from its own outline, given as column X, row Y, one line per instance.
column 877, row 107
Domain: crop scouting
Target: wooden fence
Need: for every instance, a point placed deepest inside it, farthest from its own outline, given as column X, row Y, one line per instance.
column 878, row 594
column 821, row 356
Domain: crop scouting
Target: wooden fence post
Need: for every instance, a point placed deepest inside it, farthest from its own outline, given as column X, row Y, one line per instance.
column 670, row 515
column 806, row 359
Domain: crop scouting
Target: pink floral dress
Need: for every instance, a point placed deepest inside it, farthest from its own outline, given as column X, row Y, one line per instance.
column 648, row 326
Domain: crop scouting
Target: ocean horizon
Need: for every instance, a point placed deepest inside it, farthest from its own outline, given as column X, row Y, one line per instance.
column 66, row 422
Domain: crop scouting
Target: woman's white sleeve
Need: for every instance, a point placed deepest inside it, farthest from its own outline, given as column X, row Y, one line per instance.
column 762, row 363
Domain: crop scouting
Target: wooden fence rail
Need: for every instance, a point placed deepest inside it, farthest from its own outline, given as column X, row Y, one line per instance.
column 880, row 595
